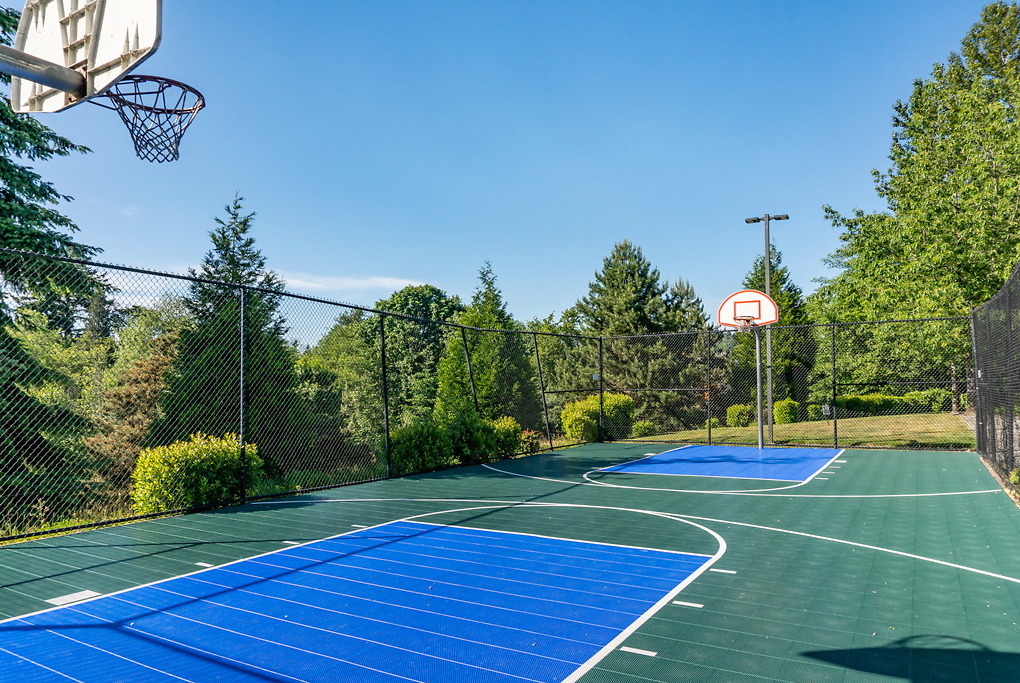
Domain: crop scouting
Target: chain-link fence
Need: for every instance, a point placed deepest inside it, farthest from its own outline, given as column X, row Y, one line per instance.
column 894, row 384
column 996, row 326
column 112, row 378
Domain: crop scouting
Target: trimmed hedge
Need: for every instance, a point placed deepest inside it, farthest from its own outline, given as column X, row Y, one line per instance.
column 421, row 446
column 814, row 412
column 932, row 400
column 785, row 412
column 472, row 439
column 204, row 470
column 739, row 415
column 580, row 419
column 643, row 428
column 509, row 437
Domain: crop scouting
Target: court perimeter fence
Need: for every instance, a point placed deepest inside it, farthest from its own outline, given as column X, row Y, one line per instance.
column 996, row 326
column 102, row 363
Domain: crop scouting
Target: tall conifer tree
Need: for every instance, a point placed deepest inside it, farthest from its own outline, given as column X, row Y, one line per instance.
column 204, row 388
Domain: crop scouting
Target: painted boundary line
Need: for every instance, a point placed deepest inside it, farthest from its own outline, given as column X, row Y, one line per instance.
column 608, row 470
column 614, row 644
column 747, row 492
column 680, row 516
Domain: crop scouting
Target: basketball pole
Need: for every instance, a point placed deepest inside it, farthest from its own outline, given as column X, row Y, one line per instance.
column 757, row 367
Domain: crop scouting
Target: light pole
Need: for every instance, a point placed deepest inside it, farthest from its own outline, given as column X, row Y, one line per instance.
column 768, row 291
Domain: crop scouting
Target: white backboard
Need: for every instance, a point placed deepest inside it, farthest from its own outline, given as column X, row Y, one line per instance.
column 101, row 39
column 748, row 303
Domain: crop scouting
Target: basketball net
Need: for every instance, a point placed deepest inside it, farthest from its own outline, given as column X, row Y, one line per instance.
column 156, row 111
column 745, row 323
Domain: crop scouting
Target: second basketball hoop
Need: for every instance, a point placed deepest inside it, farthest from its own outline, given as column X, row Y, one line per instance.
column 748, row 308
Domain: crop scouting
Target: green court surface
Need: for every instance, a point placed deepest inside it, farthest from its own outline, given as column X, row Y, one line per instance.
column 885, row 566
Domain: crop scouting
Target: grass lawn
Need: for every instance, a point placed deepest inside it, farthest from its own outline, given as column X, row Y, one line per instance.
column 926, row 431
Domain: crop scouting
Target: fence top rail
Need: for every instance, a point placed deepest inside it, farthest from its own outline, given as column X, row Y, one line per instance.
column 373, row 311
column 273, row 292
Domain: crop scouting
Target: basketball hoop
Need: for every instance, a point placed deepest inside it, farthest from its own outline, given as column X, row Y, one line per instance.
column 156, row 111
column 745, row 323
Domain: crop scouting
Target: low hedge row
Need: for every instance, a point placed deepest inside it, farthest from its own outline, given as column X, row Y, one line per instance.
column 786, row 411
column 428, row 444
column 204, row 470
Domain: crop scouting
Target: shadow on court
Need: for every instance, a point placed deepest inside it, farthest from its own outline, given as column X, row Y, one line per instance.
column 927, row 658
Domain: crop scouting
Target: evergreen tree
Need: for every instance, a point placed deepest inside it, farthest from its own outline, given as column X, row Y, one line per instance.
column 629, row 297
column 204, row 388
column 501, row 364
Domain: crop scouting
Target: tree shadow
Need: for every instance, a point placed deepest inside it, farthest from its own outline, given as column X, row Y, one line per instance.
column 925, row 658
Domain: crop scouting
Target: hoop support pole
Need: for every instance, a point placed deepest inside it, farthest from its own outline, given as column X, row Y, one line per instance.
column 23, row 65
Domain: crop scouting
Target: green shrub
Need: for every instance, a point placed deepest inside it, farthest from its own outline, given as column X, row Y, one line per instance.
column 472, row 439
column 1014, row 477
column 932, row 400
column 578, row 424
column 814, row 412
column 509, row 437
column 580, row 419
column 713, row 422
column 204, row 470
column 870, row 404
column 643, row 428
column 421, row 446
column 785, row 412
column 739, row 415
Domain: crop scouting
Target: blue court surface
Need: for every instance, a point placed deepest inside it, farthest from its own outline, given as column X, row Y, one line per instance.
column 401, row 601
column 734, row 462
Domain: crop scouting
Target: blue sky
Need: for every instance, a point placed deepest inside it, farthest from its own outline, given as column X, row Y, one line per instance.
column 390, row 142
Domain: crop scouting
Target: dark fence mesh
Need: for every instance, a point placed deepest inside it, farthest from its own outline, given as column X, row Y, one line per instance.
column 997, row 383
column 103, row 366
column 900, row 384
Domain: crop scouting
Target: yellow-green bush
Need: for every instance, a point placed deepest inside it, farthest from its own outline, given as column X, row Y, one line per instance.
column 643, row 428
column 509, row 437
column 204, row 470
column 740, row 415
column 785, row 412
column 580, row 419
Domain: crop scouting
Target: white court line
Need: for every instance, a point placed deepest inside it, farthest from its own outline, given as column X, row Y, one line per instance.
column 614, row 644
column 747, row 492
column 636, row 651
column 73, row 597
column 204, row 564
column 737, row 492
column 674, row 515
column 723, row 571
column 292, row 543
column 645, row 457
column 688, row 604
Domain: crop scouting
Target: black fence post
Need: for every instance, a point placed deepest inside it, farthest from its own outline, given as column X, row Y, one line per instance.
column 471, row 375
column 541, row 386
column 385, row 393
column 835, row 411
column 602, row 397
column 243, row 395
column 976, row 370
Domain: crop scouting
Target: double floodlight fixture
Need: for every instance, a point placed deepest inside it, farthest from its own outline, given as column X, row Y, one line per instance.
column 779, row 217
